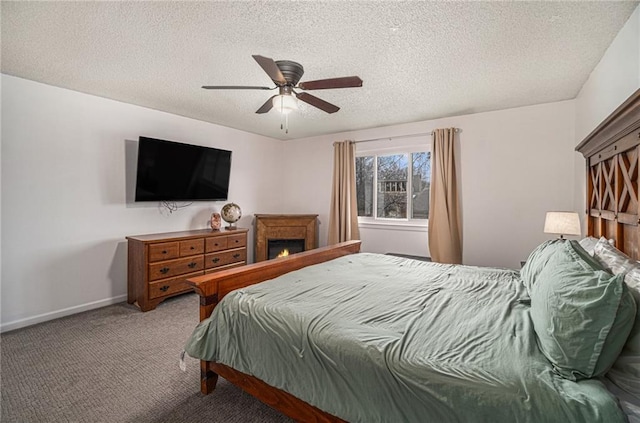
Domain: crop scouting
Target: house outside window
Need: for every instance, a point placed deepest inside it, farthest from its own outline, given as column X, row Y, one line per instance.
column 393, row 187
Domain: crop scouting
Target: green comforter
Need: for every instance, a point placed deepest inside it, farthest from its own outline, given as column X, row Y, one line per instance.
column 375, row 338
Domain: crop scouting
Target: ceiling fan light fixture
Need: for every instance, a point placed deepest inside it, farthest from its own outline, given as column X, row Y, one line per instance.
column 285, row 103
column 286, row 74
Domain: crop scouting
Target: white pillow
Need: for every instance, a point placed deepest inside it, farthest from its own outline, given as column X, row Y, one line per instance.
column 632, row 279
column 617, row 261
column 588, row 243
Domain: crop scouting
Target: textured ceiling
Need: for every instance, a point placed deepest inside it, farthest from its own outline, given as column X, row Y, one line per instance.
column 418, row 60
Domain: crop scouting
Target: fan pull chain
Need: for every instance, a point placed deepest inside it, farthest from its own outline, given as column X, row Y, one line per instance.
column 281, row 110
column 283, row 125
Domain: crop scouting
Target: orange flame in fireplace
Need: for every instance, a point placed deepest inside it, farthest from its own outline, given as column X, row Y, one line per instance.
column 284, row 253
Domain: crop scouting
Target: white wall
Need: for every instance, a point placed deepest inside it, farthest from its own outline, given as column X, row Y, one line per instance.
column 68, row 169
column 612, row 81
column 515, row 165
column 615, row 78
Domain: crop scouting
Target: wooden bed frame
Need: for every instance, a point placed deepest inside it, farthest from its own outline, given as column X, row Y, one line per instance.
column 612, row 152
column 212, row 288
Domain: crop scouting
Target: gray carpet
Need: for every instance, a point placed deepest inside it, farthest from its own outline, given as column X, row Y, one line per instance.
column 116, row 364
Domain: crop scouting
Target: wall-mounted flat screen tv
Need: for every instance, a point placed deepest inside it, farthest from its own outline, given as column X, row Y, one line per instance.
column 173, row 171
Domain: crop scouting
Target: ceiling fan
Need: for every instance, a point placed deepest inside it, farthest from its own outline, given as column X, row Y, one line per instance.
column 286, row 74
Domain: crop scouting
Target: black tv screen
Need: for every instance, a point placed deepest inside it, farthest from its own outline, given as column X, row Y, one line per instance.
column 173, row 171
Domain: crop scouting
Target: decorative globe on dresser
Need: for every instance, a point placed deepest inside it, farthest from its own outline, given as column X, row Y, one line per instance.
column 231, row 213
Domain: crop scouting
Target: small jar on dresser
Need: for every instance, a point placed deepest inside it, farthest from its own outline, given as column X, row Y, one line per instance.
column 159, row 264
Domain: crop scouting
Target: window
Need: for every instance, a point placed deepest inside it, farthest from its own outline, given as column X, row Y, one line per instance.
column 393, row 186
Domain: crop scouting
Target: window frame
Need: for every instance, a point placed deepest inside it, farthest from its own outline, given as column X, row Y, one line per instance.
column 406, row 223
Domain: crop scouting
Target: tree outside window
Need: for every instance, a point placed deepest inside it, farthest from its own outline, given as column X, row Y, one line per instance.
column 396, row 195
column 364, row 185
column 421, row 184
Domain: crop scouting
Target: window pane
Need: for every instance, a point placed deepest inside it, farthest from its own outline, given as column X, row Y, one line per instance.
column 421, row 183
column 364, row 185
column 392, row 186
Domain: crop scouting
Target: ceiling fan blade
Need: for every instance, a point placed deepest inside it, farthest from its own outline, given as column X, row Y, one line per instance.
column 317, row 102
column 323, row 84
column 266, row 106
column 270, row 67
column 235, row 87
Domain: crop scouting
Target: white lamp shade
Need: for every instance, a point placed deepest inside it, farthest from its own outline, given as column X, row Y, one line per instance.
column 562, row 223
column 285, row 104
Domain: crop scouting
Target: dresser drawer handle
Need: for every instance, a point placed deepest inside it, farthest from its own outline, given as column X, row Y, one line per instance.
column 215, row 260
column 193, row 248
column 237, row 240
column 164, row 270
column 164, row 288
column 192, row 264
column 216, row 244
column 164, row 251
column 236, row 255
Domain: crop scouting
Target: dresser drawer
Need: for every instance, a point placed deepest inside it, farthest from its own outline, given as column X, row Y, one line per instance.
column 164, row 251
column 217, row 243
column 239, row 255
column 170, row 286
column 236, row 241
column 191, row 247
column 166, row 269
column 220, row 243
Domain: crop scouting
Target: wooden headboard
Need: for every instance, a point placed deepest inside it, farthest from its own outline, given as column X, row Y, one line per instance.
column 612, row 152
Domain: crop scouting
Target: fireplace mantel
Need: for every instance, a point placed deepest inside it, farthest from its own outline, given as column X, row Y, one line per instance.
column 282, row 227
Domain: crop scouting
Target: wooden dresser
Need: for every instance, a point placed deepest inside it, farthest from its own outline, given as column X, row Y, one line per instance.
column 159, row 264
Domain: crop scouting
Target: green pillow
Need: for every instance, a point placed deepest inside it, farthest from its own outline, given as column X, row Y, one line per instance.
column 620, row 332
column 582, row 315
column 537, row 261
column 625, row 373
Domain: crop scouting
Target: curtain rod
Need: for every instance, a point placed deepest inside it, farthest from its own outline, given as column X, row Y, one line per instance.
column 401, row 136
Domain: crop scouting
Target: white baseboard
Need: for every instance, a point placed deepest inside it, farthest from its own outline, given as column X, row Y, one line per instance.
column 21, row 323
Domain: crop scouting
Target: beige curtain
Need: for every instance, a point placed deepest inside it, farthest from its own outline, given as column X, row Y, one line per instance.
column 343, row 216
column 445, row 232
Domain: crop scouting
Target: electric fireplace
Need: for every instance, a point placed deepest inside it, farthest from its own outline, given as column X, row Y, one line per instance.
column 276, row 233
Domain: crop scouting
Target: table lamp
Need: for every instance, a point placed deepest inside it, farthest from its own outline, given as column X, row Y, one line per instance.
column 562, row 223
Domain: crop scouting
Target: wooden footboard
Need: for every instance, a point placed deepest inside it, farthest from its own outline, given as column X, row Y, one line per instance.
column 275, row 398
column 212, row 288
